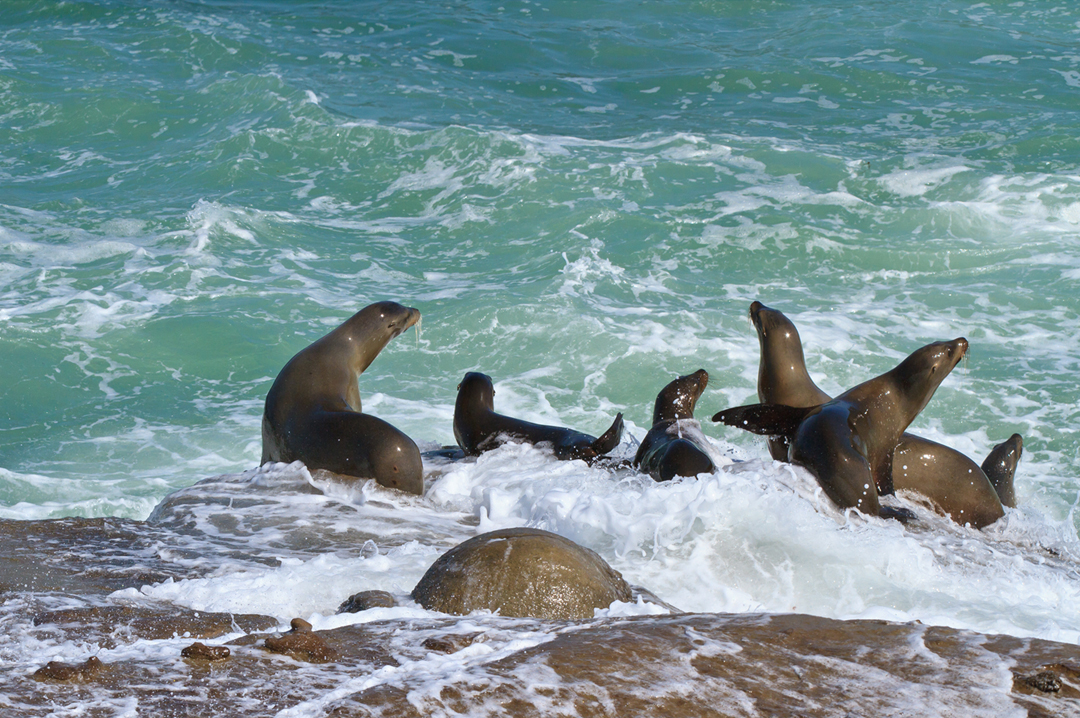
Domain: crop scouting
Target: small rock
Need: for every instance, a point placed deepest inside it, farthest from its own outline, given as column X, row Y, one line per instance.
column 367, row 599
column 451, row 642
column 70, row 672
column 202, row 652
column 302, row 644
column 1046, row 682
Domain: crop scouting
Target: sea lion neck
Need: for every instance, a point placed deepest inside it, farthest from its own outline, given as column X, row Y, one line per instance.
column 919, row 376
column 364, row 335
column 782, row 374
column 678, row 399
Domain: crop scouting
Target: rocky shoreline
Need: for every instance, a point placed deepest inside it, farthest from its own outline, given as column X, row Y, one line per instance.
column 680, row 665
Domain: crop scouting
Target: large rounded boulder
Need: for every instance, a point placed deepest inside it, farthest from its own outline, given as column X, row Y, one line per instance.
column 521, row 572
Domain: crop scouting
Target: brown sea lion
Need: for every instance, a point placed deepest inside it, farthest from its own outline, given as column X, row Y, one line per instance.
column 848, row 442
column 313, row 410
column 478, row 428
column 671, row 447
column 521, row 572
column 960, row 488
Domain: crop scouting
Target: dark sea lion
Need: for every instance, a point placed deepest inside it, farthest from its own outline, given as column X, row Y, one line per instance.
column 478, row 428
column 313, row 409
column 960, row 488
column 1000, row 468
column 848, row 443
column 671, row 447
column 521, row 572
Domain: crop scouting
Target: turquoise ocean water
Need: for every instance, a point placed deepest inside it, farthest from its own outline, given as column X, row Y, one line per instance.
column 582, row 199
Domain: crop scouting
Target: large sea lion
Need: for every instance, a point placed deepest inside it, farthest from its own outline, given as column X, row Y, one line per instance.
column 848, row 443
column 521, row 572
column 478, row 428
column 313, row 410
column 959, row 487
column 672, row 447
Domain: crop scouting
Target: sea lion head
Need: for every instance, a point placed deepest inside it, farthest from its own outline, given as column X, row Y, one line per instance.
column 678, row 399
column 768, row 321
column 367, row 332
column 923, row 371
column 476, row 391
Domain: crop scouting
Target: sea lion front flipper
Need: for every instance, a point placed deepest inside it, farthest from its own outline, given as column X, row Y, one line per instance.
column 765, row 419
column 607, row 441
column 1000, row 468
column 895, row 512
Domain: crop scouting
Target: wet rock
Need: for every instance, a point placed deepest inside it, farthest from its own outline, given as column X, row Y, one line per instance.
column 70, row 672
column 202, row 652
column 521, row 572
column 1047, row 681
column 1058, row 680
column 684, row 666
column 302, row 644
column 367, row 599
column 111, row 625
column 451, row 642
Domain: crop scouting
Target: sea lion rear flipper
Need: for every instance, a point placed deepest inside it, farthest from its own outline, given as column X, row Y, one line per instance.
column 610, row 438
column 765, row 419
column 1000, row 468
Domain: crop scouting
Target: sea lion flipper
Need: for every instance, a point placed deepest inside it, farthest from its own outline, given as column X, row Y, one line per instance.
column 607, row 441
column 1000, row 468
column 765, row 419
column 895, row 512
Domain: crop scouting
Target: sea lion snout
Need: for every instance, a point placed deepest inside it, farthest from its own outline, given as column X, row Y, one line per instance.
column 398, row 317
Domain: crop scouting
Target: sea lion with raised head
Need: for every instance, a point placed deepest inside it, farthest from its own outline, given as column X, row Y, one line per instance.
column 848, row 443
column 478, row 428
column 954, row 483
column 672, row 447
column 313, row 409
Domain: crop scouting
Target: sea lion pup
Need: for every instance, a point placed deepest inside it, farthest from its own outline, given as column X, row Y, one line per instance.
column 848, row 443
column 960, row 488
column 313, row 410
column 521, row 572
column 478, row 428
column 672, row 448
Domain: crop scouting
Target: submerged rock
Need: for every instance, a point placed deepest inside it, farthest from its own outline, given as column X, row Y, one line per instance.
column 201, row 652
column 70, row 672
column 521, row 572
column 367, row 599
column 111, row 625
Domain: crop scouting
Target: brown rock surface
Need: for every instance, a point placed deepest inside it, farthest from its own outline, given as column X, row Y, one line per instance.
column 302, row 644
column 70, row 672
column 521, row 572
column 690, row 665
column 111, row 625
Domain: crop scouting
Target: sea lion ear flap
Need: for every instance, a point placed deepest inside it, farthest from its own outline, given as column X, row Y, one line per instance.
column 765, row 419
column 610, row 438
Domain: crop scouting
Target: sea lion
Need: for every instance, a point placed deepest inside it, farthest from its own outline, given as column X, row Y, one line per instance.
column 478, row 428
column 1000, row 468
column 673, row 445
column 960, row 488
column 521, row 572
column 313, row 410
column 848, row 443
